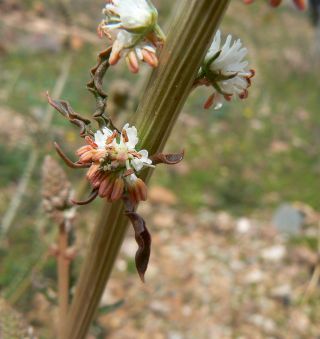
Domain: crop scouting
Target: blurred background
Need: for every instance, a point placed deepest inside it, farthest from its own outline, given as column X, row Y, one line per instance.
column 236, row 225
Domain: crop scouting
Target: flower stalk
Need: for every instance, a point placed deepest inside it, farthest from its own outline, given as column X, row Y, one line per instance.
column 168, row 89
column 63, row 275
column 56, row 194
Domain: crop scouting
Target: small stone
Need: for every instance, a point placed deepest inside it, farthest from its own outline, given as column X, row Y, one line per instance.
column 175, row 335
column 243, row 225
column 283, row 293
column 186, row 310
column 255, row 276
column 223, row 223
column 262, row 322
column 237, row 265
column 274, row 253
column 159, row 307
column 288, row 220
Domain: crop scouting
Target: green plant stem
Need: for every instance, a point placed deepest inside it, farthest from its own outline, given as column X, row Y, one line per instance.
column 167, row 91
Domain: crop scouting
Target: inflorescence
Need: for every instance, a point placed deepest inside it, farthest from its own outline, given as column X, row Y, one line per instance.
column 114, row 159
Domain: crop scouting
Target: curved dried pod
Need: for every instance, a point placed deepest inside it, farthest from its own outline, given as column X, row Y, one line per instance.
column 167, row 158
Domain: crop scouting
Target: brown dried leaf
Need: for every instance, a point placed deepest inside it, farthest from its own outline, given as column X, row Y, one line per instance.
column 66, row 110
column 98, row 72
column 143, row 239
column 168, row 159
column 95, row 85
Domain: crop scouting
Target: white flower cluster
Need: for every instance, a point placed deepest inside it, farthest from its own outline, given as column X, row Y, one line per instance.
column 132, row 27
column 114, row 163
column 121, row 151
column 225, row 69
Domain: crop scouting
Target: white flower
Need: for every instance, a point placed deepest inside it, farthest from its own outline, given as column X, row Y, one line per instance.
column 230, row 59
column 226, row 70
column 132, row 134
column 114, row 163
column 132, row 27
column 122, row 150
column 139, row 163
column 100, row 137
column 135, row 16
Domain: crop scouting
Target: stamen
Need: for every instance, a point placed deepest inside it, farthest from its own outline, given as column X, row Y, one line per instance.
column 91, row 142
column 135, row 154
column 132, row 62
column 111, row 138
column 124, row 136
column 150, row 58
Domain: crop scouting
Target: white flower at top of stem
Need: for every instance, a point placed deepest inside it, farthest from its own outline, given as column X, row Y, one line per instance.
column 135, row 16
column 132, row 27
column 226, row 70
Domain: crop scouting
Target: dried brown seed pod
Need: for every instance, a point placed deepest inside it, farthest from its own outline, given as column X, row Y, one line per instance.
column 56, row 190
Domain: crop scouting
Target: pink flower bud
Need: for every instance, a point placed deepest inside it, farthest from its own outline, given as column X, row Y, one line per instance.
column 132, row 62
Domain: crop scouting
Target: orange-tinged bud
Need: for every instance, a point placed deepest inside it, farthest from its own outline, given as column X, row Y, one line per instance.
column 137, row 191
column 91, row 142
column 114, row 58
column 97, row 178
column 150, row 58
column 86, row 157
column 83, row 150
column 97, row 155
column 92, row 170
column 133, row 62
column 106, row 187
column 142, row 188
column 117, row 191
column 209, row 102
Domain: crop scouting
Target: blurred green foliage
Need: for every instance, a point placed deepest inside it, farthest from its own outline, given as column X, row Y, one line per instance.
column 11, row 164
